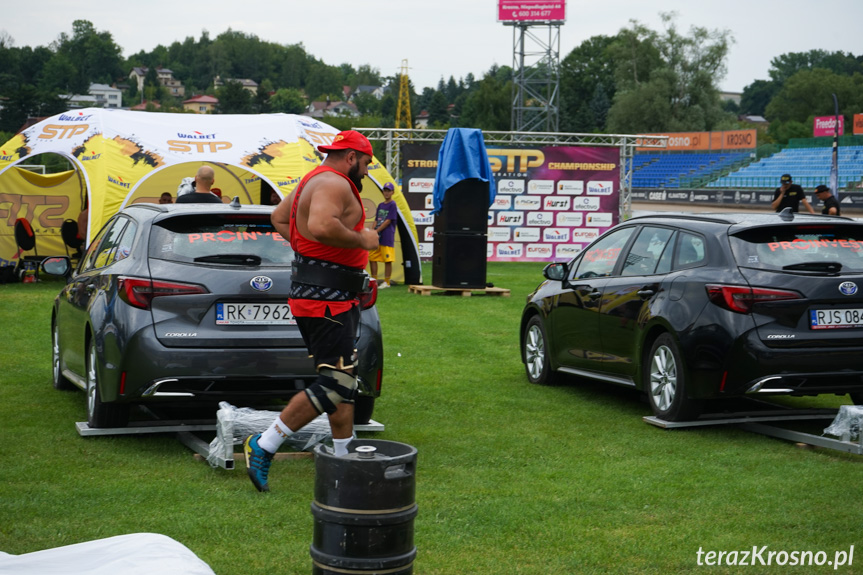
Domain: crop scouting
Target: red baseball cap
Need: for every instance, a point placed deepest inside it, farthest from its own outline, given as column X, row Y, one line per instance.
column 349, row 140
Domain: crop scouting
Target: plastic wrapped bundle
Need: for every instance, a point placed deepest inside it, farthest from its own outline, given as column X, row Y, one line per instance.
column 235, row 424
column 847, row 423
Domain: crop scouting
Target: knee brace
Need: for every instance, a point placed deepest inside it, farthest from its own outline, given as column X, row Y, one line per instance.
column 331, row 388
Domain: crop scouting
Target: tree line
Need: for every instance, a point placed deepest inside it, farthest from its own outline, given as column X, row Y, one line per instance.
column 639, row 80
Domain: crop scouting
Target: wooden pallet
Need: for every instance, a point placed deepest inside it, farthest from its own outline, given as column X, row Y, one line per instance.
column 465, row 292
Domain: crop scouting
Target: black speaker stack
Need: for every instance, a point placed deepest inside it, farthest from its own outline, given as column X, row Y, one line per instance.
column 460, row 236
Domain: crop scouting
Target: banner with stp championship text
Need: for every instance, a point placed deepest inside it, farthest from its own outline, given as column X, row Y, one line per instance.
column 550, row 202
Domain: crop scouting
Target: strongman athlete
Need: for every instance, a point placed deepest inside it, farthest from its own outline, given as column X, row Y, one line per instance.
column 324, row 220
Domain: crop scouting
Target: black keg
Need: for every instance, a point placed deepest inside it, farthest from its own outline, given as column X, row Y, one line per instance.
column 364, row 509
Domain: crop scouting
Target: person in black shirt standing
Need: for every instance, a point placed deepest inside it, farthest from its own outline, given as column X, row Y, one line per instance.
column 831, row 205
column 789, row 195
column 201, row 195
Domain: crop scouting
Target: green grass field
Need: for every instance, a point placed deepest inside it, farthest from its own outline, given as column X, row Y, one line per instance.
column 512, row 478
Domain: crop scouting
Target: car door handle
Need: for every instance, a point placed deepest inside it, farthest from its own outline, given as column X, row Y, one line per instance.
column 645, row 293
column 595, row 294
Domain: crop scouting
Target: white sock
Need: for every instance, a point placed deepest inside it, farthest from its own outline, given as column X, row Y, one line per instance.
column 274, row 436
column 340, row 446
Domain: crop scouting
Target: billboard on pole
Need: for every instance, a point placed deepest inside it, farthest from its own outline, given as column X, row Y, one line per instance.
column 531, row 10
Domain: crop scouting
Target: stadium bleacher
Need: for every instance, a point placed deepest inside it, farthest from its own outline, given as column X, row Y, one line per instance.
column 652, row 170
column 809, row 167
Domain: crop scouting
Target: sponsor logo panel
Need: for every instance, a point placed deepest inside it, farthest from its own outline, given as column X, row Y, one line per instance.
column 570, row 187
column 540, row 187
column 421, row 185
column 569, row 219
column 542, row 251
column 586, row 204
column 526, row 234
column 540, row 218
column 510, row 250
column 555, row 234
column 422, row 218
column 584, row 236
column 527, row 202
column 556, row 203
column 567, row 251
column 599, row 188
column 510, row 187
column 510, row 218
column 599, row 220
column 502, row 202
column 496, row 234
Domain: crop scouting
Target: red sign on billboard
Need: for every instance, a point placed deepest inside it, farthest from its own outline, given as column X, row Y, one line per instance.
column 826, row 126
column 531, row 10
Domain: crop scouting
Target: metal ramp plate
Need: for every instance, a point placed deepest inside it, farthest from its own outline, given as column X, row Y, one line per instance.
column 756, row 422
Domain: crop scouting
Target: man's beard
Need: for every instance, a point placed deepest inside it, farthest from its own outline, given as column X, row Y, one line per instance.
column 354, row 176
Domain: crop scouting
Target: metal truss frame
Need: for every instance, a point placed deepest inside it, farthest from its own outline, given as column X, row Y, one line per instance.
column 393, row 138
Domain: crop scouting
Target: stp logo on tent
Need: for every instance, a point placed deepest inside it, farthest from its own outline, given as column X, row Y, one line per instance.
column 190, row 146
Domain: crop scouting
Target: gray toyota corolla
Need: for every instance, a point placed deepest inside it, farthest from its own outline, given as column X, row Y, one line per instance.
column 188, row 304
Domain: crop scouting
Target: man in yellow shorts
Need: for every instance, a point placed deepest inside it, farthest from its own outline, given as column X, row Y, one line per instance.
column 385, row 226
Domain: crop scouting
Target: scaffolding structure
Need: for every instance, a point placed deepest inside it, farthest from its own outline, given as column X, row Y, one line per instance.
column 394, row 138
column 536, row 76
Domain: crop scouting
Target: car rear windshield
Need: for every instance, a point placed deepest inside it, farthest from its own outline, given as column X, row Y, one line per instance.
column 228, row 238
column 814, row 247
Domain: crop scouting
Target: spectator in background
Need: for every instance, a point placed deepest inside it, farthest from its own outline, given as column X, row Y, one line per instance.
column 789, row 195
column 385, row 226
column 166, row 198
column 831, row 205
column 201, row 195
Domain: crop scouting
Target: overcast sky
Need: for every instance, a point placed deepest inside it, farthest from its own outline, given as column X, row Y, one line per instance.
column 442, row 38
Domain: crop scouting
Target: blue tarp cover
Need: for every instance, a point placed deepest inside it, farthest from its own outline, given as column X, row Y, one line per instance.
column 462, row 156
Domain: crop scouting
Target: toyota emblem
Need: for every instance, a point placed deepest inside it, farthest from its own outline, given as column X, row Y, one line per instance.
column 847, row 288
column 263, row 283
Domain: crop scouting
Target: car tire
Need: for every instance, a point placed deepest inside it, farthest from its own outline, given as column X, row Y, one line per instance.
column 99, row 414
column 537, row 364
column 60, row 381
column 665, row 382
column 364, row 407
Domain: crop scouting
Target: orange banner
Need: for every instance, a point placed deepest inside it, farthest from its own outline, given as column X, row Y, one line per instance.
column 858, row 124
column 708, row 141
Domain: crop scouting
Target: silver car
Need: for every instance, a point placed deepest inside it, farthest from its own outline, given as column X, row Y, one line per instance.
column 188, row 304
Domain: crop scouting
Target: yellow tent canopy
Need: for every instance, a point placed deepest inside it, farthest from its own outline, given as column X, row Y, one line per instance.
column 122, row 157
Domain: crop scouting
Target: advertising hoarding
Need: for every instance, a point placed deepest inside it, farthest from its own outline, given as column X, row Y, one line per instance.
column 550, row 201
column 531, row 10
column 826, row 126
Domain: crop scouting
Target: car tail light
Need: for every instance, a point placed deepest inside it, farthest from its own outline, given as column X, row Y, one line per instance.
column 740, row 299
column 378, row 379
column 368, row 298
column 139, row 292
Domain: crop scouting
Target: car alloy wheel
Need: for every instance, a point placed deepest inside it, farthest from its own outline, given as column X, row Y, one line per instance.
column 536, row 362
column 101, row 414
column 666, row 385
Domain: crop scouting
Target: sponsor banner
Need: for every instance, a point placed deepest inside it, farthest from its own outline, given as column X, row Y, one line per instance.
column 584, row 236
column 735, row 198
column 510, row 186
column 526, row 234
column 527, row 203
column 502, row 202
column 569, row 219
column 509, row 252
column 707, row 141
column 422, row 217
column 570, row 188
column 543, row 196
column 600, row 188
column 540, row 187
column 826, row 126
column 496, row 234
column 509, row 218
column 426, row 250
column 599, row 220
column 858, row 124
column 566, row 251
column 420, row 185
column 531, row 10
column 539, row 251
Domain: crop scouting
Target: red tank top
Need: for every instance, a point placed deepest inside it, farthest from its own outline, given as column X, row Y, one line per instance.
column 351, row 257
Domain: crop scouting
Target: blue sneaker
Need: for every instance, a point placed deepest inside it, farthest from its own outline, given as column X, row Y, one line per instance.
column 258, row 462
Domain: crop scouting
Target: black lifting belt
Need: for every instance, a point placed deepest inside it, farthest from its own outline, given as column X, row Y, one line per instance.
column 336, row 278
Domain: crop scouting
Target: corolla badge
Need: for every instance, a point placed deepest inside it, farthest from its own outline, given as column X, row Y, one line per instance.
column 847, row 288
column 261, row 283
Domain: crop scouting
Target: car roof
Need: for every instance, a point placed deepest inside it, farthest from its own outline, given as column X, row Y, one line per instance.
column 156, row 210
column 740, row 220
